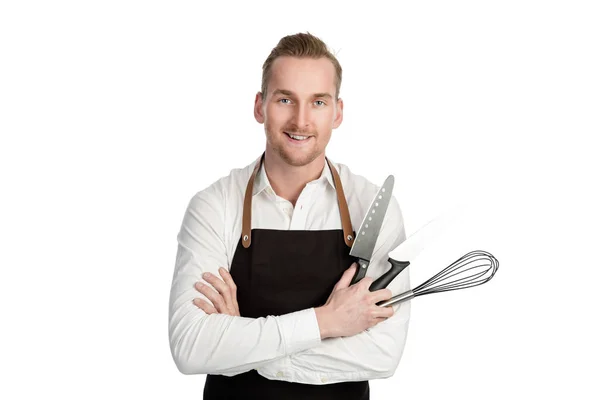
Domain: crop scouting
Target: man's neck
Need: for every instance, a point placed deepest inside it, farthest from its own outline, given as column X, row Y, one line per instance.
column 287, row 180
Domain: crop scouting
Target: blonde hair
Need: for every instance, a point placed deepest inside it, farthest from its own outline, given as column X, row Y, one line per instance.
column 301, row 45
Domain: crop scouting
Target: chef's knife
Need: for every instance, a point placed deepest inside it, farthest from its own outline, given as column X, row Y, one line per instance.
column 366, row 236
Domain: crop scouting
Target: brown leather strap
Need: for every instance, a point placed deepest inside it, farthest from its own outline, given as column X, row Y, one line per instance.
column 247, row 216
column 343, row 206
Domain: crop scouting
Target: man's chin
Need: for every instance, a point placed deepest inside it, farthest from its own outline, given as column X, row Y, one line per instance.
column 297, row 158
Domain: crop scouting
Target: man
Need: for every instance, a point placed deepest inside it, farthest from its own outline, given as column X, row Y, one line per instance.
column 261, row 299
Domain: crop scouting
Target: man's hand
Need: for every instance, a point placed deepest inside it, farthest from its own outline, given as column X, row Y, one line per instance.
column 352, row 309
column 224, row 298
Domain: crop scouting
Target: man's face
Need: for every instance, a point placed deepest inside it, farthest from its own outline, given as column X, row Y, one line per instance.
column 300, row 101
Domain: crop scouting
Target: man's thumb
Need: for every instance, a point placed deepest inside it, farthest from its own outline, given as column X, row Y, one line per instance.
column 345, row 280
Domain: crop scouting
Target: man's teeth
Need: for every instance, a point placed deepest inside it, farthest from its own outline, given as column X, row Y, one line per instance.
column 297, row 137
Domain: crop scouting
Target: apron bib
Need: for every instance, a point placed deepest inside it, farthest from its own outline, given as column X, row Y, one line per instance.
column 278, row 272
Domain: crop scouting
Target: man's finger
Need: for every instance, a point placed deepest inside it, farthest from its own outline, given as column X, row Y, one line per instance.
column 382, row 312
column 380, row 295
column 219, row 285
column 205, row 306
column 212, row 295
column 365, row 283
column 346, row 278
column 232, row 287
column 227, row 278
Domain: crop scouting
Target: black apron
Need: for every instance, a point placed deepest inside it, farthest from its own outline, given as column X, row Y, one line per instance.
column 282, row 272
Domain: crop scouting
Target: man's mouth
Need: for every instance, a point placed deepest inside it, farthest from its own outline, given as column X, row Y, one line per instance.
column 297, row 137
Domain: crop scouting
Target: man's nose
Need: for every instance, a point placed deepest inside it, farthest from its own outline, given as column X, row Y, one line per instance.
column 302, row 116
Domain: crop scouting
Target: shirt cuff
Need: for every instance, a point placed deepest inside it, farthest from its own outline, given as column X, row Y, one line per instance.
column 300, row 330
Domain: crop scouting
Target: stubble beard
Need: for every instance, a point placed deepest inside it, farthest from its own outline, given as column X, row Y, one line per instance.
column 288, row 155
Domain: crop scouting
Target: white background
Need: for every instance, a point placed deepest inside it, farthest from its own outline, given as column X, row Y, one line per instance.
column 114, row 114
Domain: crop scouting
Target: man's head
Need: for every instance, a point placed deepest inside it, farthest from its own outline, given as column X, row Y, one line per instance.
column 300, row 97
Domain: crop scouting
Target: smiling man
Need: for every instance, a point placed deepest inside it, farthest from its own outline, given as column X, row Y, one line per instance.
column 261, row 300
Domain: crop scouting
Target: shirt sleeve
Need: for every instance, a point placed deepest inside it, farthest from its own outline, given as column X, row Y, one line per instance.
column 372, row 354
column 217, row 343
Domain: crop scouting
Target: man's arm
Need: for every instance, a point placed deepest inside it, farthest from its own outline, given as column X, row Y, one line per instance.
column 372, row 354
column 219, row 343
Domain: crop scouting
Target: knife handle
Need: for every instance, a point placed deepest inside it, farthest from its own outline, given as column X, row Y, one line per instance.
column 385, row 279
column 361, row 271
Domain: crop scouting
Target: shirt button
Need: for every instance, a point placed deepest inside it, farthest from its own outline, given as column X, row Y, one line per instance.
column 323, row 379
column 280, row 374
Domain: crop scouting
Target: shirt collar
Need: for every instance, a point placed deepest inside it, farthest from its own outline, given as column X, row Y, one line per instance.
column 262, row 181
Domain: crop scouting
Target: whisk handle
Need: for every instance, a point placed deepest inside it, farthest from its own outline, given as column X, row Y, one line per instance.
column 385, row 279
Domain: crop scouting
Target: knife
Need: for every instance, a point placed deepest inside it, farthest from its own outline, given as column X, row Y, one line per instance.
column 409, row 249
column 367, row 234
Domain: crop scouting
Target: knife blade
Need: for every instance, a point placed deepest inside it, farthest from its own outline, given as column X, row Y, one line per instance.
column 410, row 248
column 426, row 235
column 366, row 236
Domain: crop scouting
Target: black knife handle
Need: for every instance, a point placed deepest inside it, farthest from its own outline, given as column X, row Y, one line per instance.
column 385, row 279
column 361, row 271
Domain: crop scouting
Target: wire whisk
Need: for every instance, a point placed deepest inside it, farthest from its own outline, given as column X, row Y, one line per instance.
column 472, row 269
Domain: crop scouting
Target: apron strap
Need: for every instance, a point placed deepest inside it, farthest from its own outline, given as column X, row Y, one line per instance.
column 343, row 206
column 247, row 216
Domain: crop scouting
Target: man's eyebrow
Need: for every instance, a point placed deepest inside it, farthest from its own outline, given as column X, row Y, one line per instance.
column 283, row 92
column 290, row 93
column 323, row 95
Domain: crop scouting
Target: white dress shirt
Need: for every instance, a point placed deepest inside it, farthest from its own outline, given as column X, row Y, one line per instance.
column 286, row 347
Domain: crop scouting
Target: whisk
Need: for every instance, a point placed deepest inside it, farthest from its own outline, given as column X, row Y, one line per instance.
column 472, row 269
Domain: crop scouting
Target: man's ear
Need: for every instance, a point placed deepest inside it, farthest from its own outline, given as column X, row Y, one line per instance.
column 339, row 117
column 258, row 108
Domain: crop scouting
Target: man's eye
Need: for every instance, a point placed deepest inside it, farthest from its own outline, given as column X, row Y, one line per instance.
column 282, row 100
column 320, row 101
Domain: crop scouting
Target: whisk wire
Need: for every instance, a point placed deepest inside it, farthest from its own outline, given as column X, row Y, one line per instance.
column 473, row 269
column 443, row 282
